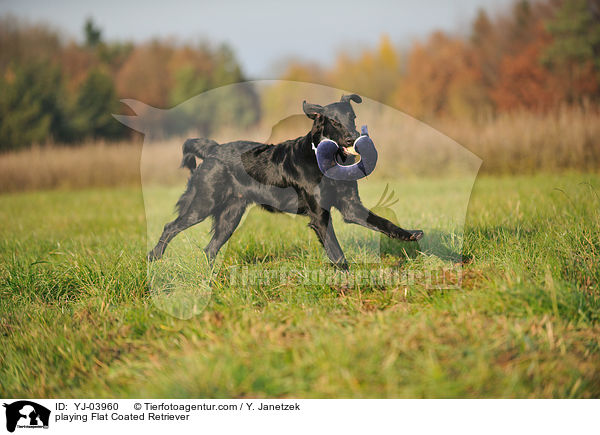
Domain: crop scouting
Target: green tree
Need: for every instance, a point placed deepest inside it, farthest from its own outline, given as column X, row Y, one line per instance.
column 93, row 108
column 32, row 106
column 576, row 43
column 93, row 34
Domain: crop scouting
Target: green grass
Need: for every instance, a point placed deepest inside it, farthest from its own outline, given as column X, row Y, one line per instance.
column 77, row 319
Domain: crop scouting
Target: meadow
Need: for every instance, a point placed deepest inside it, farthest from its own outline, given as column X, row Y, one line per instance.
column 77, row 318
column 513, row 310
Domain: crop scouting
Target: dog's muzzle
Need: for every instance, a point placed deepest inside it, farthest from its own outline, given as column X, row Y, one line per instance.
column 363, row 147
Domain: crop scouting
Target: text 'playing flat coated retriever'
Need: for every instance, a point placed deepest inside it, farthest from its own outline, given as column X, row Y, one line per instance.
column 281, row 178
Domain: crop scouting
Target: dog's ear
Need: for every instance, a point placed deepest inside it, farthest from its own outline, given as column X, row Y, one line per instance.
column 312, row 110
column 352, row 97
column 317, row 128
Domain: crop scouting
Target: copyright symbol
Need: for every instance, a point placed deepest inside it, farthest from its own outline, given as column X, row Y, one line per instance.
column 137, row 406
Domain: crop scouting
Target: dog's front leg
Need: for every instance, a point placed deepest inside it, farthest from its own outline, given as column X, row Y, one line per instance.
column 356, row 213
column 320, row 222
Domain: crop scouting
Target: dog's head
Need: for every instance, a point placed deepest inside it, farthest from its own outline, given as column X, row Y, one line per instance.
column 336, row 121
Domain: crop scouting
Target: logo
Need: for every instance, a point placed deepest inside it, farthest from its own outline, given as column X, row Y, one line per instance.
column 26, row 414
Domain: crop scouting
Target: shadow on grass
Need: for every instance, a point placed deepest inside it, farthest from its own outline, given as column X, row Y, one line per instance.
column 437, row 243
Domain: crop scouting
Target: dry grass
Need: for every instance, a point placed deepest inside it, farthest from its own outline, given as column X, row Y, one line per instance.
column 508, row 144
column 51, row 167
column 527, row 142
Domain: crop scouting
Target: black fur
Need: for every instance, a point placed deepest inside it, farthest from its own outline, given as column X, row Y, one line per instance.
column 283, row 177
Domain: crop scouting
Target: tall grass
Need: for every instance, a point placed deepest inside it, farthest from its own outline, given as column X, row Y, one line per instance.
column 56, row 166
column 516, row 143
column 525, row 142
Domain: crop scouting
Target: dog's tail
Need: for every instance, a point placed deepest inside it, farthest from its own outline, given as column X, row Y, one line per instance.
column 193, row 148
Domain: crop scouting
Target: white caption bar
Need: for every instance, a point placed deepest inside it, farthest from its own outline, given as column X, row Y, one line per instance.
column 248, row 416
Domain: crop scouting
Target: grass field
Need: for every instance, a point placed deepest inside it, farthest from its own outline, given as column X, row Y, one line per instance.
column 76, row 318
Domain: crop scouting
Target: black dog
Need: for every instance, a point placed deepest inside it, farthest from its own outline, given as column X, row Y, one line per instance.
column 283, row 178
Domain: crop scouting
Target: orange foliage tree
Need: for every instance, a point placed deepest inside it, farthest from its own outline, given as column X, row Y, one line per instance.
column 524, row 83
column 443, row 77
column 145, row 75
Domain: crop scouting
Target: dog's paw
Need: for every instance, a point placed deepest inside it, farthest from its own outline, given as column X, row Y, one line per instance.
column 415, row 235
column 342, row 266
column 152, row 256
column 409, row 236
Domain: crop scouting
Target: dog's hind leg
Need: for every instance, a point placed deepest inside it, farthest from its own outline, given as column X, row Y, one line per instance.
column 192, row 211
column 207, row 188
column 225, row 223
column 171, row 230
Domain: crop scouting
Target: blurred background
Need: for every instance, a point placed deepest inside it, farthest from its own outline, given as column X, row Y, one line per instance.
column 516, row 82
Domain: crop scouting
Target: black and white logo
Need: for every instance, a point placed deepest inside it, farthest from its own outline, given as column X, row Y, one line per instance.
column 25, row 414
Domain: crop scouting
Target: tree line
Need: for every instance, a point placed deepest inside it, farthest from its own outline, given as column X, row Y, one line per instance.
column 537, row 56
column 57, row 90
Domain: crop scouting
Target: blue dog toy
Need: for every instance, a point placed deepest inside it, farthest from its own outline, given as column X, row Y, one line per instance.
column 363, row 145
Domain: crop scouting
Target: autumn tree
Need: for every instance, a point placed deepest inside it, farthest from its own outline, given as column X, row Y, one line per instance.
column 375, row 74
column 524, row 83
column 443, row 78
